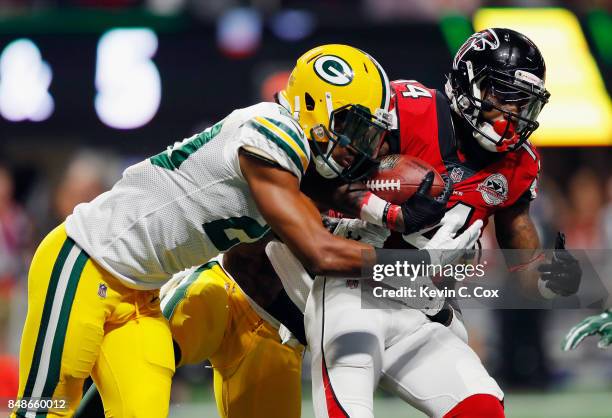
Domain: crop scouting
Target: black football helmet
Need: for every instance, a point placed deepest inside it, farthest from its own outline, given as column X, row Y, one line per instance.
column 493, row 69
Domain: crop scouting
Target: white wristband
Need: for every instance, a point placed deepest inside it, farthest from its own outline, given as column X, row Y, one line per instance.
column 372, row 210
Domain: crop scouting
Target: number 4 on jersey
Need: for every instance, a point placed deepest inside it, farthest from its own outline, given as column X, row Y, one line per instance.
column 415, row 91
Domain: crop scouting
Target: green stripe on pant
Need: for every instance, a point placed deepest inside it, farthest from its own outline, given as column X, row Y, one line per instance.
column 46, row 361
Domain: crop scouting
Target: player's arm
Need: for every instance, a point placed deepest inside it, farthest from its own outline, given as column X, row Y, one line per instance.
column 296, row 220
column 559, row 276
column 514, row 229
column 355, row 200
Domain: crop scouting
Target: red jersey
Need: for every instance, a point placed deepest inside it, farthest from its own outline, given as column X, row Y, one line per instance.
column 481, row 186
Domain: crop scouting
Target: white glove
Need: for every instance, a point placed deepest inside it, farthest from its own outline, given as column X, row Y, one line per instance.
column 362, row 231
column 444, row 248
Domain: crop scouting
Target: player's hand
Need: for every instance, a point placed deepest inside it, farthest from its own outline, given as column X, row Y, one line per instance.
column 593, row 325
column 562, row 275
column 422, row 210
column 444, row 247
column 358, row 230
column 330, row 222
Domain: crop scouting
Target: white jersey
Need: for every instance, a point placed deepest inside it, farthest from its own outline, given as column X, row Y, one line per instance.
column 182, row 207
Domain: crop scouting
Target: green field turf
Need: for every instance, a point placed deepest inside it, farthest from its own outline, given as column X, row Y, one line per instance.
column 518, row 405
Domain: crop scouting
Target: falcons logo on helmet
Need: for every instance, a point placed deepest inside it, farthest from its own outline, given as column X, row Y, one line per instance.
column 478, row 42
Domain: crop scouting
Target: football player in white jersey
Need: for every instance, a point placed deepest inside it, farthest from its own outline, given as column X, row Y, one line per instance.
column 266, row 166
column 93, row 304
column 267, row 153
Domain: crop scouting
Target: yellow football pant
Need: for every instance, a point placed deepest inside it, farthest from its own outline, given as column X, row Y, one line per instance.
column 81, row 321
column 255, row 376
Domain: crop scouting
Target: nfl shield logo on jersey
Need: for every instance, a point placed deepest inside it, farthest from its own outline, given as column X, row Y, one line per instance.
column 352, row 284
column 456, row 174
column 102, row 290
column 494, row 189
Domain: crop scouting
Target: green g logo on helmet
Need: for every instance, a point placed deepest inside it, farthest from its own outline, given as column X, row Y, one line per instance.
column 334, row 70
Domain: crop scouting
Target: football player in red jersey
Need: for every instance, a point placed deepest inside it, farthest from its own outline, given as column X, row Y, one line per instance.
column 477, row 133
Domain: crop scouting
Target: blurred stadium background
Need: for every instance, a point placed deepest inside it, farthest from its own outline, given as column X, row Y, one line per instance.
column 88, row 87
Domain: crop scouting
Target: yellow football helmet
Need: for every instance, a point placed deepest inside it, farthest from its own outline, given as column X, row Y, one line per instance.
column 340, row 95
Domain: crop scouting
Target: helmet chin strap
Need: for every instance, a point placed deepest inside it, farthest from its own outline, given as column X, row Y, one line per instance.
column 296, row 107
column 283, row 100
column 324, row 168
column 448, row 89
column 329, row 168
column 458, row 104
column 487, row 129
column 495, row 131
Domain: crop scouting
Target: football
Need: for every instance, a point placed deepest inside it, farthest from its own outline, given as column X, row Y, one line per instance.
column 398, row 177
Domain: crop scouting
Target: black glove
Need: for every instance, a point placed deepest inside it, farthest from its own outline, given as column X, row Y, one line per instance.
column 422, row 210
column 562, row 275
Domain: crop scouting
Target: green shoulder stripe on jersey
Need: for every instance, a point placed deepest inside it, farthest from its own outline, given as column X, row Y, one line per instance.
column 174, row 156
column 272, row 133
column 179, row 293
column 291, row 131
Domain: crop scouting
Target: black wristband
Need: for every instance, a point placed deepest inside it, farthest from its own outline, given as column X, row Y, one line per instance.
column 385, row 213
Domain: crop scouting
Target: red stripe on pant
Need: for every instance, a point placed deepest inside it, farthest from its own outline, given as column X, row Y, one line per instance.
column 478, row 406
column 334, row 409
